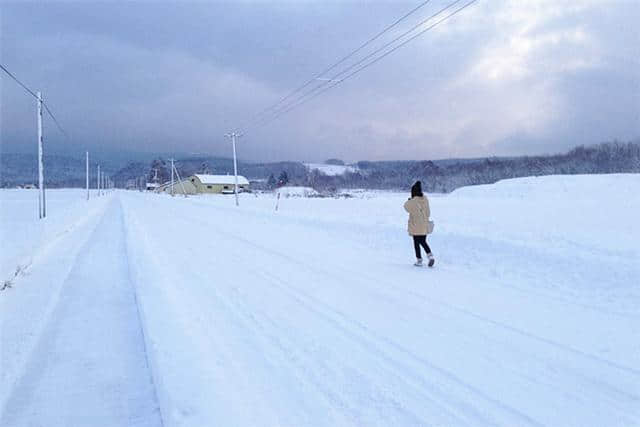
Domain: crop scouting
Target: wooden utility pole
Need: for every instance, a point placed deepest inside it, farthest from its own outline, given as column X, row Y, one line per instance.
column 42, row 203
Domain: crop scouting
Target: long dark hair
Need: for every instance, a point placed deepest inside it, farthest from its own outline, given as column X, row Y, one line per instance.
column 416, row 189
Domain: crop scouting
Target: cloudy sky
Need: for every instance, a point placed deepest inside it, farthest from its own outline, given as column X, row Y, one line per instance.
column 499, row 78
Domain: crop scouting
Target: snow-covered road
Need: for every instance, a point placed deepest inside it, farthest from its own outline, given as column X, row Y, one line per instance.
column 208, row 314
column 89, row 366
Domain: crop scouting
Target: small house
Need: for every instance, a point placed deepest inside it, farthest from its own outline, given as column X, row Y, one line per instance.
column 221, row 184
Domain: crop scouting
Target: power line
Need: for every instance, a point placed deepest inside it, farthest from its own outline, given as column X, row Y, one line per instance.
column 32, row 93
column 46, row 107
column 324, row 84
column 334, row 65
column 323, row 88
column 336, row 79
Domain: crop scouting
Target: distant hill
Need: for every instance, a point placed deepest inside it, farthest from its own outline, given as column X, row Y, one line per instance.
column 437, row 176
column 60, row 170
column 449, row 174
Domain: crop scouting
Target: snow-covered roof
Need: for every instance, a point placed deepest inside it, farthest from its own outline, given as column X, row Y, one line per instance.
column 221, row 179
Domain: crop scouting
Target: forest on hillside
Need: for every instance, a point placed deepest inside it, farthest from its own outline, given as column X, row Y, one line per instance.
column 437, row 175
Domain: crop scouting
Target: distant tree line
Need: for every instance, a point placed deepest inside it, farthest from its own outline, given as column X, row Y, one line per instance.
column 446, row 176
column 436, row 176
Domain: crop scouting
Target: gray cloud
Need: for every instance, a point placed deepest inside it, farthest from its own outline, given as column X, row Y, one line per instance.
column 508, row 78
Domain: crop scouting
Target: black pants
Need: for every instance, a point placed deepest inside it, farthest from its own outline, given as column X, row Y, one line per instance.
column 420, row 241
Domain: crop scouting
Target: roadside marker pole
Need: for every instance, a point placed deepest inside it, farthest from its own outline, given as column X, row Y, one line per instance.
column 41, row 197
column 171, row 177
column 87, row 172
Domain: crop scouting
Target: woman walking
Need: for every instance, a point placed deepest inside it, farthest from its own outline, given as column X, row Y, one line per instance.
column 419, row 213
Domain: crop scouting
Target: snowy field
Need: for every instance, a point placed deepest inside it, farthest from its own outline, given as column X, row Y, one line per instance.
column 142, row 309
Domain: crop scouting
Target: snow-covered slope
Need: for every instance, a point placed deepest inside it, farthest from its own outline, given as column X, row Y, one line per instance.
column 331, row 170
column 313, row 315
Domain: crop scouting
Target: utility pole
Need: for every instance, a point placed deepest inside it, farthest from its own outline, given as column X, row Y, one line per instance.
column 184, row 191
column 41, row 197
column 87, row 172
column 233, row 136
column 171, row 176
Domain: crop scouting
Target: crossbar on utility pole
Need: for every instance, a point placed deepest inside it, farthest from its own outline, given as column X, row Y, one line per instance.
column 233, row 136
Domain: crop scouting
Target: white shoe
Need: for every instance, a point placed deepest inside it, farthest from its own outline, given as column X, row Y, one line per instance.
column 431, row 260
column 418, row 262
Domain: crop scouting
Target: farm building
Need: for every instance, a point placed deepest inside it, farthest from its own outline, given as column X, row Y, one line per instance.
column 218, row 183
column 179, row 187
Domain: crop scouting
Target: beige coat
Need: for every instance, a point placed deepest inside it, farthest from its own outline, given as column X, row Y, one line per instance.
column 419, row 213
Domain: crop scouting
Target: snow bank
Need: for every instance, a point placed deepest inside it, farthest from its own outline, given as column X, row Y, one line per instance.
column 22, row 233
column 577, row 214
column 46, row 250
column 290, row 191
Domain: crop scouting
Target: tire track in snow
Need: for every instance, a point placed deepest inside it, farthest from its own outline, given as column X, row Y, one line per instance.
column 221, row 335
column 612, row 395
column 601, row 386
column 431, row 300
column 295, row 351
column 479, row 247
column 374, row 344
column 464, row 320
column 242, row 321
